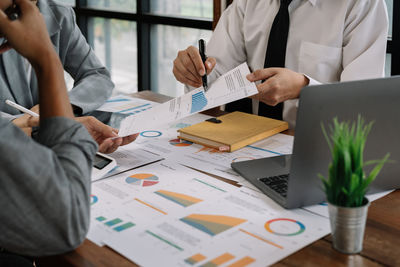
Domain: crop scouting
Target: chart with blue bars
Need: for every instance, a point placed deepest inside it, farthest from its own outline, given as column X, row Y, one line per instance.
column 199, row 101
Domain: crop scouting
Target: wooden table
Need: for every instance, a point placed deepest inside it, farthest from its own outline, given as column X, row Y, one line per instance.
column 381, row 243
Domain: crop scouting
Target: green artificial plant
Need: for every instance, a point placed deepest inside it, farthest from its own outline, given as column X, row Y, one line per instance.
column 347, row 183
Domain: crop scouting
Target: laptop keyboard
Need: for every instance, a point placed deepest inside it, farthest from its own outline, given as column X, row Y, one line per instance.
column 277, row 183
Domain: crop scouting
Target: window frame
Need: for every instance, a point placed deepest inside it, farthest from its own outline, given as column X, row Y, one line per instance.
column 144, row 20
column 393, row 46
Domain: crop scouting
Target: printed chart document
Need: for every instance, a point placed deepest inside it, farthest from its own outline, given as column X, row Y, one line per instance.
column 150, row 193
column 186, row 218
column 228, row 88
column 127, row 105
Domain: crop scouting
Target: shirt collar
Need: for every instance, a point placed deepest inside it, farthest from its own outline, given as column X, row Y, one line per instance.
column 53, row 25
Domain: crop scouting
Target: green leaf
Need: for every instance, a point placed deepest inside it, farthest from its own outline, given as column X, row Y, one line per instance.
column 346, row 183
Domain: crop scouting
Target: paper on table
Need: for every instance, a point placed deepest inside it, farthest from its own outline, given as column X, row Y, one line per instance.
column 228, row 88
column 239, row 227
column 145, row 195
column 219, row 163
column 130, row 157
column 126, row 105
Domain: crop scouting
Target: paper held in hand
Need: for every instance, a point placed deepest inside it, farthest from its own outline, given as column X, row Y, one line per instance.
column 230, row 87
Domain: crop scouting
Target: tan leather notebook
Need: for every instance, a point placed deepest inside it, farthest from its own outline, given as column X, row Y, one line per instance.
column 236, row 130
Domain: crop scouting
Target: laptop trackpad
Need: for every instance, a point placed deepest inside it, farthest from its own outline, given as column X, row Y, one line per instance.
column 264, row 167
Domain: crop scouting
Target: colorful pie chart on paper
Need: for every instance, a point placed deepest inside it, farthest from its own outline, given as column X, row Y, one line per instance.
column 284, row 227
column 142, row 179
column 93, row 199
column 180, row 142
column 212, row 224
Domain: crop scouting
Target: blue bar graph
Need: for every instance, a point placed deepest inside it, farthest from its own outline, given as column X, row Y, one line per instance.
column 199, row 101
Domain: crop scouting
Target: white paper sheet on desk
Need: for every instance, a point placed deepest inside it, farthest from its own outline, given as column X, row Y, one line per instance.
column 127, row 105
column 228, row 88
column 240, row 227
column 130, row 157
column 145, row 195
column 219, row 163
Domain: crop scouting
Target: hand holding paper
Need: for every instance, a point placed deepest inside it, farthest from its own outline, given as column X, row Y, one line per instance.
column 230, row 87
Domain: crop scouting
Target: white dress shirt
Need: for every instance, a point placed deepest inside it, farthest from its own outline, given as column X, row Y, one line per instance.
column 329, row 40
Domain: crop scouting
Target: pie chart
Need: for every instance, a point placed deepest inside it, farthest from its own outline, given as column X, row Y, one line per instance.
column 142, row 179
column 180, row 142
column 93, row 199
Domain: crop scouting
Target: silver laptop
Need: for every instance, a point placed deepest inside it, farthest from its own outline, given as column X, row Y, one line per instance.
column 292, row 181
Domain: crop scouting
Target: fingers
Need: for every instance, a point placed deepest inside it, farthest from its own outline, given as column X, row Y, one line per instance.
column 33, row 121
column 3, row 15
column 183, row 79
column 27, row 131
column 187, row 64
column 196, row 59
column 188, row 67
column 35, row 109
column 100, row 128
column 210, row 64
column 26, row 121
column 110, row 145
column 182, row 74
column 129, row 139
column 262, row 74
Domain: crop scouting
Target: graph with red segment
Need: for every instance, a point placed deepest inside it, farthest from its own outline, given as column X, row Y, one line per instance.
column 180, row 142
column 142, row 179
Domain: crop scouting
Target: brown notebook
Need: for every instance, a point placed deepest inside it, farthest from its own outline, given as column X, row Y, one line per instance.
column 236, row 130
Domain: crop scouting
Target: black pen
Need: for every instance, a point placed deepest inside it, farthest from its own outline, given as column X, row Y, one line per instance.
column 202, row 49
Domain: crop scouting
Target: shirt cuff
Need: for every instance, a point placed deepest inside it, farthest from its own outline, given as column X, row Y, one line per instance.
column 312, row 81
column 7, row 116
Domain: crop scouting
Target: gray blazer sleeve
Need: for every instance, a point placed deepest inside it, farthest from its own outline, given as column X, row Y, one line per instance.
column 7, row 116
column 45, row 187
column 93, row 84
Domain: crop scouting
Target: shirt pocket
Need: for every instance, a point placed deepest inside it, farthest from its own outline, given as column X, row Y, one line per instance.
column 320, row 62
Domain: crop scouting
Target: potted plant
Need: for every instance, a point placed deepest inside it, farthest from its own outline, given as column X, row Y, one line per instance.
column 347, row 183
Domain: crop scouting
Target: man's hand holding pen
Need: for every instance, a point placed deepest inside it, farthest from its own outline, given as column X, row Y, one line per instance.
column 189, row 67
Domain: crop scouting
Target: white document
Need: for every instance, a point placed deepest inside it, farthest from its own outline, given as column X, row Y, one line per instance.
column 129, row 157
column 219, row 163
column 228, row 88
column 138, row 197
column 127, row 105
column 234, row 227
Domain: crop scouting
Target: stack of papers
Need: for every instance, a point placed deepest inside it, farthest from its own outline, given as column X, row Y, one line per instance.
column 166, row 214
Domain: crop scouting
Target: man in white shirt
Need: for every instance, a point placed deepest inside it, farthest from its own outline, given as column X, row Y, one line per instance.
column 328, row 41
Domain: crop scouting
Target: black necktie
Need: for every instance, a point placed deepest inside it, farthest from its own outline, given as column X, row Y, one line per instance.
column 275, row 57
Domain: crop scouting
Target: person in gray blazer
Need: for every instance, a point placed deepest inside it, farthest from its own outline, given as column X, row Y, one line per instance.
column 44, row 184
column 92, row 83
